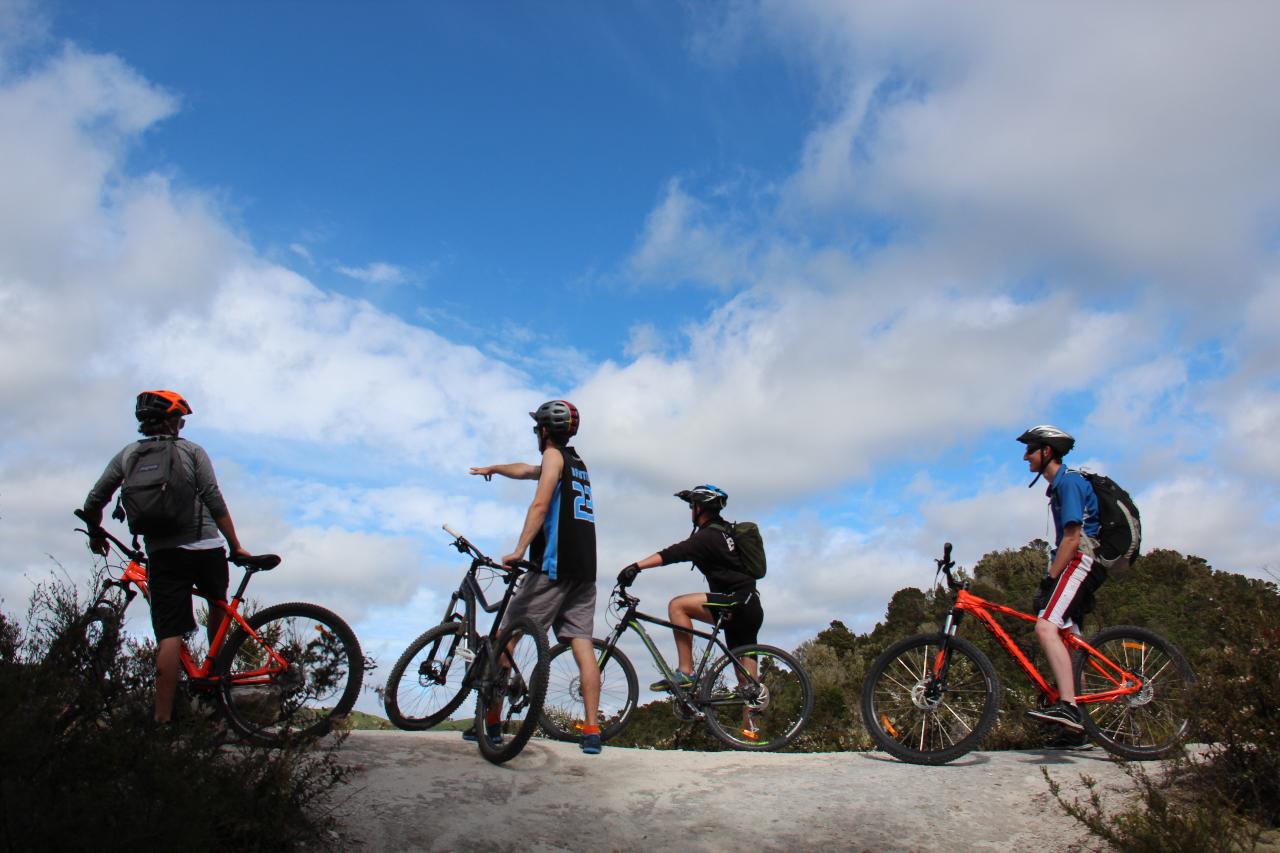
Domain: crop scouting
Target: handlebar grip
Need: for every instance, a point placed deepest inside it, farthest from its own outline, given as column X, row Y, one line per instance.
column 447, row 529
column 946, row 553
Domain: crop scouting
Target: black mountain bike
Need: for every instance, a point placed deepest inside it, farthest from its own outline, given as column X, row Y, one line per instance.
column 507, row 668
column 753, row 697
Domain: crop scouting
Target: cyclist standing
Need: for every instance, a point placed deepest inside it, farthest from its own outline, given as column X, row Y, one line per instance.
column 190, row 556
column 1075, row 520
column 712, row 551
column 560, row 534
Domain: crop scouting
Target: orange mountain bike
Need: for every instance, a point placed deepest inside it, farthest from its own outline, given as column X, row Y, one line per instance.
column 289, row 669
column 931, row 698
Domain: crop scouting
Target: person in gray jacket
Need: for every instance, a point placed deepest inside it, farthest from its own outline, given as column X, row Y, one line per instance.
column 192, row 556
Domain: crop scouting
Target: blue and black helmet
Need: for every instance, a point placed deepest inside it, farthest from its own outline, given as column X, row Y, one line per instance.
column 712, row 497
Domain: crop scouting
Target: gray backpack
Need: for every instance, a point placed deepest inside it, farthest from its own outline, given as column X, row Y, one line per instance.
column 158, row 495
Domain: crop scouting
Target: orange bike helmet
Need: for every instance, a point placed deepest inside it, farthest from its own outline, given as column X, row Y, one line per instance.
column 158, row 405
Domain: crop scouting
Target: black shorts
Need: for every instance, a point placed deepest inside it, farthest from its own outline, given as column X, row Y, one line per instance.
column 171, row 574
column 743, row 628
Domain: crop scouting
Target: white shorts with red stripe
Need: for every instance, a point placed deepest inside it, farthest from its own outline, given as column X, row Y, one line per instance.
column 1066, row 590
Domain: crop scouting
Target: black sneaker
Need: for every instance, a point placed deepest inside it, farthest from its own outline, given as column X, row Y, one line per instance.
column 1070, row 741
column 1059, row 713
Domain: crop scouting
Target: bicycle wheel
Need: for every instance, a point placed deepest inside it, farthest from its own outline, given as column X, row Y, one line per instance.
column 86, row 651
column 87, row 647
column 914, row 717
column 511, row 686
column 266, row 702
column 563, row 713
column 761, row 714
column 429, row 681
column 1150, row 723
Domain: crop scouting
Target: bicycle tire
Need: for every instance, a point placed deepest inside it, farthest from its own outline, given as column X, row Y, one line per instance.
column 87, row 650
column 436, row 683
column 899, row 712
column 98, row 637
column 1153, row 722
column 757, row 718
column 517, row 689
column 562, row 711
column 320, row 685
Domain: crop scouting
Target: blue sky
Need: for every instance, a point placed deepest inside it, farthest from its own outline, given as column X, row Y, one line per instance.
column 492, row 154
column 831, row 257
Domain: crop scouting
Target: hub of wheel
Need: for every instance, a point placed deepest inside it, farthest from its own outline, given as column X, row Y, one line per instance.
column 925, row 695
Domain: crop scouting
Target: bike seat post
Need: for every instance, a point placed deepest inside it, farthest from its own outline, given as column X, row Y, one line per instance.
column 244, row 583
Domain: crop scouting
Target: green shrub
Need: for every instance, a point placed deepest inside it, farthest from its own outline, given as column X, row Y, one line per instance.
column 1220, row 797
column 84, row 767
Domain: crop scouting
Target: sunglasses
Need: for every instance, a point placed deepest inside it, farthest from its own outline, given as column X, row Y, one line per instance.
column 1031, row 451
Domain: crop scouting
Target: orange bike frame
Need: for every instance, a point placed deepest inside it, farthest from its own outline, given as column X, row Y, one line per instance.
column 1126, row 683
column 135, row 573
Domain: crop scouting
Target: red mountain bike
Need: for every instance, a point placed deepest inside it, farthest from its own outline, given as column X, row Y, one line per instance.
column 289, row 669
column 931, row 698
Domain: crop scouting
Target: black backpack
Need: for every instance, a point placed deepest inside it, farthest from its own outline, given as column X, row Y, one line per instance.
column 1121, row 533
column 744, row 539
column 158, row 495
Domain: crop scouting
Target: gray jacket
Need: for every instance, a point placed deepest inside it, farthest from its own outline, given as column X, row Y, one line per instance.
column 209, row 502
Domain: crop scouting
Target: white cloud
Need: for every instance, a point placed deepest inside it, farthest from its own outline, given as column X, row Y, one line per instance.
column 1134, row 139
column 1222, row 520
column 348, row 431
column 377, row 272
column 816, row 387
column 680, row 243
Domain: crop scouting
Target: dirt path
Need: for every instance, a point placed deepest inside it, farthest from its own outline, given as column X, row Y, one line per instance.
column 432, row 791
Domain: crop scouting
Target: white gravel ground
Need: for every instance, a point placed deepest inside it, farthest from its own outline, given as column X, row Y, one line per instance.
column 432, row 791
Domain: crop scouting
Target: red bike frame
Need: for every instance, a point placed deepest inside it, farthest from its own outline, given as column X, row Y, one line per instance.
column 135, row 573
column 1126, row 683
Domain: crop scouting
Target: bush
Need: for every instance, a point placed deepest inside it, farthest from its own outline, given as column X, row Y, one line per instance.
column 85, row 768
column 1223, row 796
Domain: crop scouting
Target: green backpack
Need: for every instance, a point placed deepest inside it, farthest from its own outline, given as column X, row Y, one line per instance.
column 745, row 540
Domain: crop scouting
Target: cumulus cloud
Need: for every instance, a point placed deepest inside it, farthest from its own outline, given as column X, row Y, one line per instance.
column 681, row 242
column 826, row 385
column 1006, row 146
column 1066, row 134
column 112, row 281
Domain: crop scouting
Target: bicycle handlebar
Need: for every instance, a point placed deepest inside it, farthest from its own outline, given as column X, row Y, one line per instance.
column 259, row 562
column 465, row 546
column 97, row 531
column 945, row 565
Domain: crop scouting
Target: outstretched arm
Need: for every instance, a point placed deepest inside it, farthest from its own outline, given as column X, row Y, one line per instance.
column 513, row 470
column 549, row 477
column 650, row 562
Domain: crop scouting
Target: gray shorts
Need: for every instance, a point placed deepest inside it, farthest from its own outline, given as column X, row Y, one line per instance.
column 568, row 607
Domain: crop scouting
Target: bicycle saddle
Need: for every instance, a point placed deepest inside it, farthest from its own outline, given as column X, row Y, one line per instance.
column 259, row 563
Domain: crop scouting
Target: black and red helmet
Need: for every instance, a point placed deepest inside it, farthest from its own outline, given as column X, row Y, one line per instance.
column 560, row 417
column 159, row 405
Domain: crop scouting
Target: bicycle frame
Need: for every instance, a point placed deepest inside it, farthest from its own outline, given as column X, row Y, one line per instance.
column 471, row 592
column 134, row 574
column 632, row 618
column 965, row 602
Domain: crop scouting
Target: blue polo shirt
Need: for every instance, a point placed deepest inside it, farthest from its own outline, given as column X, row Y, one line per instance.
column 1073, row 502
